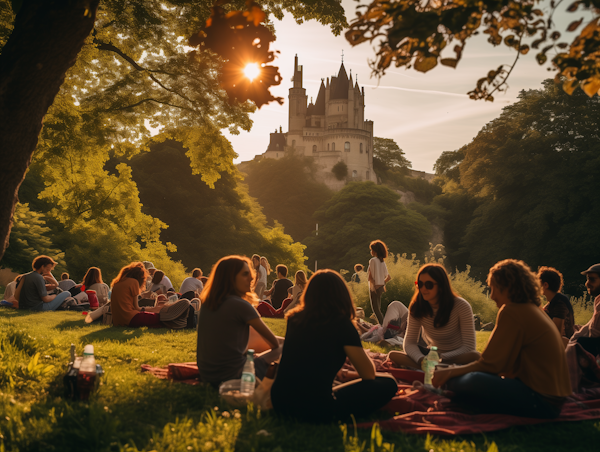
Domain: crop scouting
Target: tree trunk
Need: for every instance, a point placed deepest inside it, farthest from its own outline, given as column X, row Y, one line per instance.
column 47, row 36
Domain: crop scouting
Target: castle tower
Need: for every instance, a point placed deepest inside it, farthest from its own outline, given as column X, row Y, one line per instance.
column 297, row 102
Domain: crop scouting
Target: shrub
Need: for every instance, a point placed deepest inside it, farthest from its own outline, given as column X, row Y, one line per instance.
column 583, row 308
column 340, row 170
column 401, row 287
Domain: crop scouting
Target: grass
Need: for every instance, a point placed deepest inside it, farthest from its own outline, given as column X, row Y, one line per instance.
column 133, row 411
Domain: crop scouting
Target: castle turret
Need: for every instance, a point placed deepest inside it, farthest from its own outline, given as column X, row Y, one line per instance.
column 297, row 102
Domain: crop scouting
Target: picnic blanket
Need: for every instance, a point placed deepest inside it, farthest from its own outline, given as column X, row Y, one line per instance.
column 415, row 409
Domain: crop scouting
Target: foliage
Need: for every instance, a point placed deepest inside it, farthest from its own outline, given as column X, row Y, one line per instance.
column 287, row 191
column 354, row 444
column 356, row 215
column 533, row 172
column 417, row 34
column 387, row 153
column 340, row 170
column 583, row 308
column 403, row 271
column 207, row 224
column 30, row 237
column 435, row 445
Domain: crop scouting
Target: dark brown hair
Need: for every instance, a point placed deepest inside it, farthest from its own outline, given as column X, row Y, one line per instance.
column 325, row 297
column 64, row 276
column 552, row 276
column 282, row 269
column 516, row 277
column 41, row 261
column 379, row 248
column 221, row 282
column 135, row 270
column 419, row 307
column 93, row 276
column 358, row 267
column 158, row 276
column 197, row 272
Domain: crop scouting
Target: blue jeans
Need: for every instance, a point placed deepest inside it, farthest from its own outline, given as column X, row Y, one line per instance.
column 58, row 300
column 489, row 393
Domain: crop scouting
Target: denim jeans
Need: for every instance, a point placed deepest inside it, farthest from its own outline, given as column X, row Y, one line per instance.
column 58, row 300
column 490, row 393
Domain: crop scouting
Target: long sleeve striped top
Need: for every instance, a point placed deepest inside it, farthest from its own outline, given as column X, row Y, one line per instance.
column 453, row 339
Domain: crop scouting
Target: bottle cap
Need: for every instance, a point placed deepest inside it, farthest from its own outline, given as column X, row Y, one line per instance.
column 88, row 349
column 433, row 347
column 251, row 352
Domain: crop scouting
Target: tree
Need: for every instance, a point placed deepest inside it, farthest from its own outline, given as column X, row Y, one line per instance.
column 534, row 173
column 133, row 68
column 411, row 33
column 356, row 215
column 287, row 191
column 340, row 170
column 387, row 154
column 206, row 224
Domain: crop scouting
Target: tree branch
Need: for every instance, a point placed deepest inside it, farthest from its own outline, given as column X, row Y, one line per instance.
column 149, row 99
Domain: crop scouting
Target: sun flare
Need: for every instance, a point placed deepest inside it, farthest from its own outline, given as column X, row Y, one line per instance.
column 251, row 71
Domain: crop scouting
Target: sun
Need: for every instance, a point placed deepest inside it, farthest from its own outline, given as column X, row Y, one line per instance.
column 251, row 71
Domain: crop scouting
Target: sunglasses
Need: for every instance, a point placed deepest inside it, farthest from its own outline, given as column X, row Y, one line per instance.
column 428, row 284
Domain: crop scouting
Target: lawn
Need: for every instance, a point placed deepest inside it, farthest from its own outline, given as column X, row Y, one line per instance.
column 133, row 411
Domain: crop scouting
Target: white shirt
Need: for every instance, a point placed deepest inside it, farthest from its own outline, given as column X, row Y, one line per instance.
column 395, row 311
column 191, row 284
column 262, row 275
column 378, row 271
column 167, row 283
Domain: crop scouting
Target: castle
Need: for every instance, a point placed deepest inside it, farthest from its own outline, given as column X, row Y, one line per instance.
column 331, row 130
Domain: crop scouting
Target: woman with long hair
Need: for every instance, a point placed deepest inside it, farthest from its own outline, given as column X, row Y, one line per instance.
column 93, row 281
column 378, row 276
column 227, row 316
column 523, row 369
column 320, row 335
column 297, row 290
column 156, row 285
column 124, row 299
column 441, row 317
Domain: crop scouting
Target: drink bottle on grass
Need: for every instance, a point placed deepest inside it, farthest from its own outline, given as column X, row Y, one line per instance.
column 86, row 377
column 248, row 375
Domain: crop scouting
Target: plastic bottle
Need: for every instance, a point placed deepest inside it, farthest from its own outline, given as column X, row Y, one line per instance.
column 86, row 377
column 431, row 360
column 248, row 376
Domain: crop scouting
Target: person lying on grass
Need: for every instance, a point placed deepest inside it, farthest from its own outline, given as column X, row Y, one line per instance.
column 124, row 299
column 443, row 318
column 320, row 335
column 229, row 324
column 523, row 369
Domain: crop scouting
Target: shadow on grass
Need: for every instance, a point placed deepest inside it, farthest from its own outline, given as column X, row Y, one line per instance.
column 121, row 334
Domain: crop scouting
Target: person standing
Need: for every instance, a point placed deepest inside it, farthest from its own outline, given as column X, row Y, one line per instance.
column 260, row 283
column 378, row 276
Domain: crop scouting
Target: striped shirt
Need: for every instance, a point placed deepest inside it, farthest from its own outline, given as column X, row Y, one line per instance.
column 453, row 339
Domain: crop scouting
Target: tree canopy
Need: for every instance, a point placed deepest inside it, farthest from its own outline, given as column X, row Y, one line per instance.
column 358, row 214
column 412, row 33
column 532, row 174
column 288, row 192
column 387, row 154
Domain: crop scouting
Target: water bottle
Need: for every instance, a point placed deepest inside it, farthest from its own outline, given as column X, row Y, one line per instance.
column 431, row 360
column 248, row 376
column 86, row 377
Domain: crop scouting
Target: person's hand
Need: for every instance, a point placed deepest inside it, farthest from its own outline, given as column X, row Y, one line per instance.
column 441, row 376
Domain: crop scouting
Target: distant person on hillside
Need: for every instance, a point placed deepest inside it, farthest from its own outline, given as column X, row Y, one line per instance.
column 323, row 322
column 441, row 318
column 124, row 299
column 229, row 325
column 65, row 282
column 356, row 277
column 378, row 276
column 260, row 282
column 559, row 306
column 31, row 291
column 299, row 286
column 279, row 289
column 192, row 285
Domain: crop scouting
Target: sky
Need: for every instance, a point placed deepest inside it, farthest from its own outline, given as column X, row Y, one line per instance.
column 426, row 114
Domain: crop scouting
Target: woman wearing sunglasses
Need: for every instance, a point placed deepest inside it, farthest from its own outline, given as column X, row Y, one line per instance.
column 443, row 318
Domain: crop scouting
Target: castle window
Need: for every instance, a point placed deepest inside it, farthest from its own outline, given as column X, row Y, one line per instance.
column 347, row 146
column 354, row 174
column 314, row 148
column 333, row 146
column 361, row 148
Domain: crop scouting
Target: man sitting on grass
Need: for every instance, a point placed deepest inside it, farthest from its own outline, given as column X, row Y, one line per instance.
column 280, row 287
column 31, row 291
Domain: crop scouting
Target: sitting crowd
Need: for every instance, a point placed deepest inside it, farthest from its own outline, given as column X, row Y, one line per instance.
column 522, row 370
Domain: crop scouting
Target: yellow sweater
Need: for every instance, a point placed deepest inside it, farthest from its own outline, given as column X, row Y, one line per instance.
column 526, row 345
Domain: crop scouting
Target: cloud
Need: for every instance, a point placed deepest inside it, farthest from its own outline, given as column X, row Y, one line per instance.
column 424, row 91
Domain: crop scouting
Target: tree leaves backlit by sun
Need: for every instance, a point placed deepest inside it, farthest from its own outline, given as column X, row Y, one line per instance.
column 240, row 38
column 414, row 33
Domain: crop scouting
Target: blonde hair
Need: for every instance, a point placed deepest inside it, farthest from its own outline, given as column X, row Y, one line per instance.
column 265, row 263
column 300, row 279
